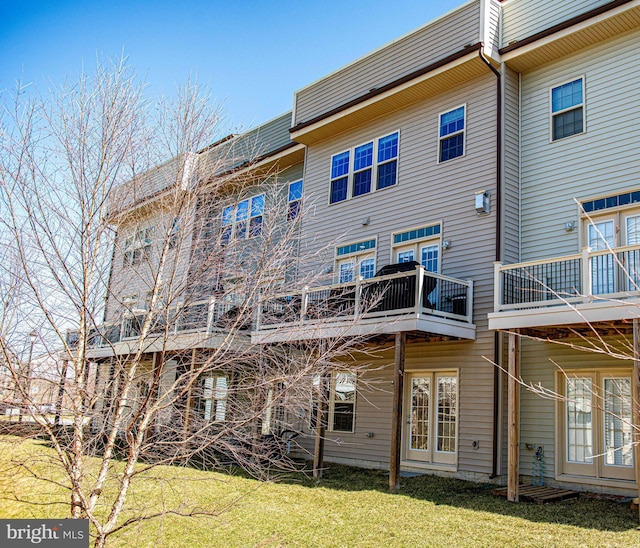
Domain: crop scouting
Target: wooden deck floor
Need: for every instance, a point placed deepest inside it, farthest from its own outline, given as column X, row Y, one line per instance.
column 539, row 494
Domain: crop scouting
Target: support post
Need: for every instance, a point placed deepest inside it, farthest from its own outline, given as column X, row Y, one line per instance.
column 635, row 402
column 396, row 424
column 513, row 395
column 321, row 419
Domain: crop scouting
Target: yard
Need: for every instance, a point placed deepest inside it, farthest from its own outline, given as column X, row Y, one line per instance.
column 349, row 507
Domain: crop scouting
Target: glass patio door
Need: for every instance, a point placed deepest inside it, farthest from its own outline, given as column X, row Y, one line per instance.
column 601, row 237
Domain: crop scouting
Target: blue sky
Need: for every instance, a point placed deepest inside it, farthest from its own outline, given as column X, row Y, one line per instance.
column 253, row 55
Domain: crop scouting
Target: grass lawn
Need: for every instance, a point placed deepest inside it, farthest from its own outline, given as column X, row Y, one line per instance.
column 349, row 507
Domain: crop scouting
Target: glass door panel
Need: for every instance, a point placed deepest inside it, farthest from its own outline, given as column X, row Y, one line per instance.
column 632, row 258
column 419, row 428
column 601, row 237
column 617, row 429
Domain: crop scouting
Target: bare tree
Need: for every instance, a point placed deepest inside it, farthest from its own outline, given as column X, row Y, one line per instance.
column 104, row 193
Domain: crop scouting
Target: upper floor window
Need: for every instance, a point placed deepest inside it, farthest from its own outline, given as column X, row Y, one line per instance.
column 175, row 231
column 374, row 167
column 567, row 109
column 295, row 200
column 243, row 220
column 452, row 126
column 137, row 248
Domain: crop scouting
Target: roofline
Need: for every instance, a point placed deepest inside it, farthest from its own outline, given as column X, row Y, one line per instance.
column 564, row 25
column 383, row 89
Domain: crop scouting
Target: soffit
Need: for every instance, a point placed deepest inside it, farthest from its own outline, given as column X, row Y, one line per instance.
column 418, row 89
column 573, row 39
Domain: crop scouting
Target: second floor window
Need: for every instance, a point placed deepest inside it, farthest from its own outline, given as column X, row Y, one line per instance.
column 243, row 220
column 295, row 200
column 357, row 259
column 365, row 168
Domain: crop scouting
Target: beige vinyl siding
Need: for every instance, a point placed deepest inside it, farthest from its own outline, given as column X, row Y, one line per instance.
column 249, row 146
column 492, row 20
column 511, row 167
column 427, row 192
column 601, row 161
column 523, row 18
column 421, row 48
column 540, row 365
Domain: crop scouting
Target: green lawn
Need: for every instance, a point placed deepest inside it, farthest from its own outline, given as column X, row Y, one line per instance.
column 349, row 507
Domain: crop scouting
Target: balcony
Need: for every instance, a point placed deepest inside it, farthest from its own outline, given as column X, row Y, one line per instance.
column 593, row 286
column 199, row 324
column 415, row 301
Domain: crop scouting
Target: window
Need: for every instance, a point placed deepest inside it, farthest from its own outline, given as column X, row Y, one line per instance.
column 243, row 220
column 273, row 421
column 420, row 244
column 597, row 424
column 295, row 200
column 175, row 230
column 357, row 259
column 342, row 402
column 567, row 109
column 211, row 398
column 375, row 166
column 452, row 125
column 137, row 248
column 432, row 417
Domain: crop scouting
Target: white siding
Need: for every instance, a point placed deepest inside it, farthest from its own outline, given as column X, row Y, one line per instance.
column 523, row 18
column 419, row 49
column 603, row 160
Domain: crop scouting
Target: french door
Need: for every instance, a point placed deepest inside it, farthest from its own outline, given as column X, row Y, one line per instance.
column 598, row 431
column 431, row 418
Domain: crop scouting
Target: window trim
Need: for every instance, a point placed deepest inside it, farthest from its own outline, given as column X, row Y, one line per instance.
column 234, row 222
column 356, row 257
column 582, row 105
column 592, row 472
column 140, row 242
column 332, row 401
column 453, row 134
column 374, row 167
column 294, row 206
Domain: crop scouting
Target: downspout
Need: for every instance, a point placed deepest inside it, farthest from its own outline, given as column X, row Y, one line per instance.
column 498, row 257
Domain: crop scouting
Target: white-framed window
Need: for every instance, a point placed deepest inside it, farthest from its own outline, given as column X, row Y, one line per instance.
column 342, row 402
column 420, row 244
column 451, row 133
column 175, row 231
column 356, row 259
column 432, row 417
column 243, row 220
column 365, row 168
column 597, row 431
column 273, row 420
column 295, row 200
column 210, row 403
column 137, row 248
column 567, row 109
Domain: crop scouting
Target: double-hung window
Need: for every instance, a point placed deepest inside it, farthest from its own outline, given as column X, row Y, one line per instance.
column 137, row 248
column 452, row 125
column 211, row 398
column 342, row 402
column 295, row 200
column 356, row 259
column 567, row 109
column 243, row 220
column 365, row 168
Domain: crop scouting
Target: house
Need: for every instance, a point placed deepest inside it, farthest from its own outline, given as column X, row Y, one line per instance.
column 466, row 210
column 572, row 293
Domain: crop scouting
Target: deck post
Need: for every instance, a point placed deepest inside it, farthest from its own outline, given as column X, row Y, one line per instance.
column 321, row 419
column 513, row 396
column 396, row 421
column 635, row 401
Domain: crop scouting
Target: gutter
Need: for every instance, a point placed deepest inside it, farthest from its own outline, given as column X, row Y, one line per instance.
column 382, row 89
column 564, row 25
column 498, row 256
